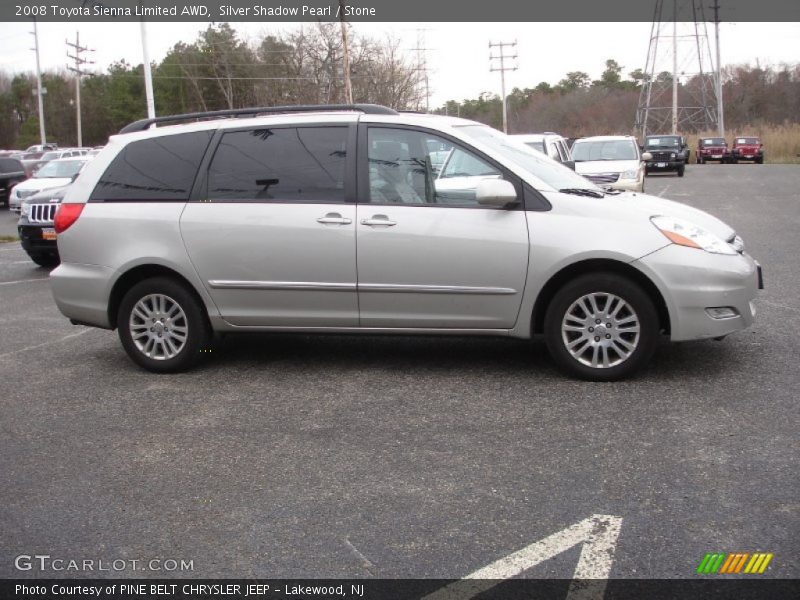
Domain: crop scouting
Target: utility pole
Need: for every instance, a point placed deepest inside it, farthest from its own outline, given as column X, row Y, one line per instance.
column 675, row 68
column 39, row 92
column 148, row 75
column 348, row 85
column 502, row 57
column 720, row 116
column 79, row 62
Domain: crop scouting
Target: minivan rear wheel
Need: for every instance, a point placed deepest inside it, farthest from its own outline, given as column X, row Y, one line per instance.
column 601, row 327
column 162, row 325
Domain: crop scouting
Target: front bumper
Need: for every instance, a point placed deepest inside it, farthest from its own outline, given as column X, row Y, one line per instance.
column 628, row 185
column 692, row 281
column 664, row 165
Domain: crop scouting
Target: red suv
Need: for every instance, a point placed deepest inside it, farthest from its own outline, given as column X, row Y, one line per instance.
column 712, row 148
column 748, row 148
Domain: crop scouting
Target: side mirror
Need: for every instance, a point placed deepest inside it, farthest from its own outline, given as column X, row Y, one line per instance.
column 495, row 192
column 569, row 164
column 647, row 156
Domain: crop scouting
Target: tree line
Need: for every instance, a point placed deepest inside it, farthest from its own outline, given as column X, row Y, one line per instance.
column 221, row 70
column 578, row 106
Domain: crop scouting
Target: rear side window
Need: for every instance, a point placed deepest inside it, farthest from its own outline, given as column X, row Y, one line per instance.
column 291, row 164
column 160, row 169
column 10, row 165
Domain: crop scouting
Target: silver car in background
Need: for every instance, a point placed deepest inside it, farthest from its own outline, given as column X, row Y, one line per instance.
column 359, row 219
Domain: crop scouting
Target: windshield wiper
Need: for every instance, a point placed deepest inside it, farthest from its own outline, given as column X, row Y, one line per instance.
column 583, row 192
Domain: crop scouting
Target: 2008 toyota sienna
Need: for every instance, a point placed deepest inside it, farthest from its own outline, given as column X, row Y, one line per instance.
column 360, row 219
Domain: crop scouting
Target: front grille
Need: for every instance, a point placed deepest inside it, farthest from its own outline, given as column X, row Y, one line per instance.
column 662, row 156
column 603, row 177
column 26, row 193
column 42, row 214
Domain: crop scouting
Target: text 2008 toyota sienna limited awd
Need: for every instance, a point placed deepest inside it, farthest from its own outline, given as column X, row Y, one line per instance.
column 360, row 219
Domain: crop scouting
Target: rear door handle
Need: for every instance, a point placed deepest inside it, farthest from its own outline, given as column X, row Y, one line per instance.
column 334, row 218
column 378, row 220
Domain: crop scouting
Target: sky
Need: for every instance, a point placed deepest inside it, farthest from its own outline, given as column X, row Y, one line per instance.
column 457, row 55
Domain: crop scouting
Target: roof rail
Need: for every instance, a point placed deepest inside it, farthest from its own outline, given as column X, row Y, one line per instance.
column 368, row 109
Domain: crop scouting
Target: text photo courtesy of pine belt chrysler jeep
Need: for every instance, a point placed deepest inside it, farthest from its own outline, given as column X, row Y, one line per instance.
column 334, row 219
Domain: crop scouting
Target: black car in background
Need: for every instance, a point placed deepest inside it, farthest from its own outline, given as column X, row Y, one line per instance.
column 36, row 228
column 11, row 173
column 670, row 153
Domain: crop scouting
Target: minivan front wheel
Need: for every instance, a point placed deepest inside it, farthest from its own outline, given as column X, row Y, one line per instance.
column 161, row 325
column 601, row 327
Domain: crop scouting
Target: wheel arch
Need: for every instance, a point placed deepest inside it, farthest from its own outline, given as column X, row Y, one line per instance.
column 596, row 265
column 139, row 273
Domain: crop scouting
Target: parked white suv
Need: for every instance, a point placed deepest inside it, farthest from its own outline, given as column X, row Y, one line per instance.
column 613, row 161
column 548, row 143
column 334, row 219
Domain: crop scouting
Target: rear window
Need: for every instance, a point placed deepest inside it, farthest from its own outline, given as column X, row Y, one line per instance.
column 160, row 169
column 281, row 164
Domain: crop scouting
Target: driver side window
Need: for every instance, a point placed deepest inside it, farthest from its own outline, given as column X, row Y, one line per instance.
column 415, row 167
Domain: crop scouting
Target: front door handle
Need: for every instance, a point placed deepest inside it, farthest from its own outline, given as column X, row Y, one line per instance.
column 334, row 218
column 378, row 220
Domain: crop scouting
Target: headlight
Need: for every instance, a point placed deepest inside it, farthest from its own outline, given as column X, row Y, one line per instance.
column 672, row 155
column 684, row 233
column 634, row 174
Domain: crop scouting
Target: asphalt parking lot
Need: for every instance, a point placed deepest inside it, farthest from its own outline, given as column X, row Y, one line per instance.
column 333, row 456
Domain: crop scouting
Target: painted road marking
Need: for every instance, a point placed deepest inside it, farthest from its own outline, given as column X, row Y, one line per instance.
column 66, row 337
column 598, row 534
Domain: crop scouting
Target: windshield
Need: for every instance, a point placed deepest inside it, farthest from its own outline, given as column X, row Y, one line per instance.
column 550, row 172
column 748, row 141
column 713, row 142
column 50, row 156
column 604, row 150
column 663, row 142
column 66, row 169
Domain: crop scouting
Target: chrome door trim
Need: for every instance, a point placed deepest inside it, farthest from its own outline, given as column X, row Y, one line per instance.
column 434, row 289
column 364, row 287
column 281, row 285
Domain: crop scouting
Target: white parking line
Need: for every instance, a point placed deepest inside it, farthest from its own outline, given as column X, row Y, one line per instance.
column 23, row 281
column 664, row 191
column 66, row 337
column 598, row 534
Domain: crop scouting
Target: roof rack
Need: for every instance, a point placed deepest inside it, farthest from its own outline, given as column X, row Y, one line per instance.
column 367, row 109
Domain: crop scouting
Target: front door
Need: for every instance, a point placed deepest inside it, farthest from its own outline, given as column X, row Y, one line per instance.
column 429, row 256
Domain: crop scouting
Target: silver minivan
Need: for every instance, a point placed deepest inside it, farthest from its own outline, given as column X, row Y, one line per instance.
column 360, row 219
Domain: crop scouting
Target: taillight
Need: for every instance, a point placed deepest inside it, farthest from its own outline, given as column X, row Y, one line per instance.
column 66, row 215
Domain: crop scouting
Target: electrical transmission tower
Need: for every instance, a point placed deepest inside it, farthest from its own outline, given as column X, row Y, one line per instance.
column 503, row 57
column 422, row 64
column 78, row 70
column 681, row 90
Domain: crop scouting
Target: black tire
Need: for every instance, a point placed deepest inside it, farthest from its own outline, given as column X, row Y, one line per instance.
column 681, row 169
column 760, row 161
column 699, row 161
column 640, row 306
column 734, row 161
column 194, row 319
column 45, row 260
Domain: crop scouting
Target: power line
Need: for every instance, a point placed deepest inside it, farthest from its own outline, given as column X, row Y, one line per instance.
column 78, row 70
